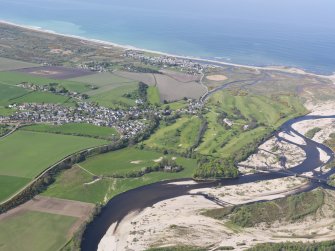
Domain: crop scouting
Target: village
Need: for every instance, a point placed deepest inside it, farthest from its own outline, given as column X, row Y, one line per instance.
column 128, row 122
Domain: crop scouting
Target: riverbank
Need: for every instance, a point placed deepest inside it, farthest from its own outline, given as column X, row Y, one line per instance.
column 142, row 228
column 107, row 44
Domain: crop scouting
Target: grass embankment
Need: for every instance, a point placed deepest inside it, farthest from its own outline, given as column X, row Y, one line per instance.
column 260, row 114
column 25, row 154
column 291, row 209
column 76, row 183
column 177, row 137
column 76, row 129
column 31, row 231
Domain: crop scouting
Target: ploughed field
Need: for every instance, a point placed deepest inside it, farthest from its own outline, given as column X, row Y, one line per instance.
column 24, row 155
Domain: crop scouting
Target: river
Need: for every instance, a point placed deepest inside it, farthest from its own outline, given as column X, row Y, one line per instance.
column 146, row 196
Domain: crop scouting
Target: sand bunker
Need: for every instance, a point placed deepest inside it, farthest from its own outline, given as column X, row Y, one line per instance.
column 217, row 77
column 136, row 162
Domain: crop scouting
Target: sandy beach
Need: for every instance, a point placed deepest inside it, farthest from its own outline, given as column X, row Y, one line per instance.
column 200, row 60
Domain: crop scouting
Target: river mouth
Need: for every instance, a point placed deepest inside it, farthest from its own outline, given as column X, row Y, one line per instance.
column 146, row 196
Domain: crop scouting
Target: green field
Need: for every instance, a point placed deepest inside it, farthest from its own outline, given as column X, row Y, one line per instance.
column 25, row 154
column 126, row 160
column 102, row 79
column 116, row 97
column 9, row 92
column 178, row 136
column 35, row 231
column 41, row 97
column 6, row 111
column 70, row 184
column 8, row 184
column 153, row 95
column 14, row 78
column 78, row 129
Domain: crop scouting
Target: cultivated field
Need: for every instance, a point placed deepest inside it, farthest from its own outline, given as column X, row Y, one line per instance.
column 9, row 92
column 55, row 72
column 15, row 78
column 172, row 90
column 7, row 64
column 178, row 136
column 33, row 231
column 42, row 223
column 40, row 97
column 147, row 78
column 77, row 129
column 116, row 97
column 26, row 154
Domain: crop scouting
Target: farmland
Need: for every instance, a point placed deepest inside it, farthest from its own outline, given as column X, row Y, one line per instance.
column 14, row 78
column 40, row 97
column 45, row 232
column 116, row 97
column 178, row 136
column 26, row 154
column 7, row 64
column 77, row 129
column 78, row 184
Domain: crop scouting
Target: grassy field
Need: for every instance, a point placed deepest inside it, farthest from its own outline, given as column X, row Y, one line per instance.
column 6, row 111
column 32, row 231
column 9, row 92
column 125, row 161
column 7, row 64
column 178, row 136
column 25, row 154
column 8, row 184
column 102, row 79
column 116, row 97
column 265, row 113
column 41, row 97
column 78, row 129
column 75, row 183
column 153, row 95
column 14, row 78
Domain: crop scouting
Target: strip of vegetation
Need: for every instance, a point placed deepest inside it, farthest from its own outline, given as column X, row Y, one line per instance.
column 311, row 133
column 295, row 246
column 291, row 208
column 4, row 129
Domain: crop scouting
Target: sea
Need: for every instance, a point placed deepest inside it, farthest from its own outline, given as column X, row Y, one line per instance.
column 294, row 33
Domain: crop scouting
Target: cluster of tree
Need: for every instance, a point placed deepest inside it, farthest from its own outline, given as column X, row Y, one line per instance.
column 143, row 91
column 134, row 68
column 216, row 168
column 4, row 129
column 295, row 246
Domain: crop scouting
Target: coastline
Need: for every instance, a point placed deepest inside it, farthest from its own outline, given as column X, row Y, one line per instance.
column 285, row 69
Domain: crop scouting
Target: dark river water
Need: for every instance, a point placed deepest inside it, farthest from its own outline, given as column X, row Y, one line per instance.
column 146, row 196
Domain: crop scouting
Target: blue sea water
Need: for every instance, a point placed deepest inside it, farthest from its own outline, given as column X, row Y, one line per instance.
column 298, row 33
